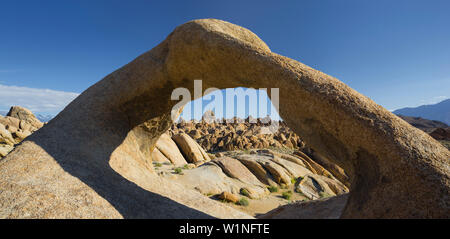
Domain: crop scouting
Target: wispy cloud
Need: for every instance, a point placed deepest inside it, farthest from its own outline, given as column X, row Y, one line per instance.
column 37, row 100
column 434, row 100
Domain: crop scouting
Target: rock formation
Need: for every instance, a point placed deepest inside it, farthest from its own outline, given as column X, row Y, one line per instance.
column 91, row 160
column 18, row 124
column 193, row 152
column 170, row 150
column 214, row 136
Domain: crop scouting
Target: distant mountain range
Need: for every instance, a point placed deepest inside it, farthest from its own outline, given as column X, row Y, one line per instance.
column 44, row 118
column 439, row 111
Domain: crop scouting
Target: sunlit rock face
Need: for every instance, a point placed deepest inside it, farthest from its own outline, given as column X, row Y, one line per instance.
column 92, row 159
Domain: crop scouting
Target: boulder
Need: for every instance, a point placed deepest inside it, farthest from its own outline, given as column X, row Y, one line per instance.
column 5, row 149
column 209, row 179
column 10, row 121
column 229, row 197
column 294, row 169
column 21, row 135
column 25, row 115
column 170, row 150
column 235, row 169
column 336, row 186
column 279, row 174
column 192, row 151
column 313, row 187
column 256, row 169
column 159, row 157
column 5, row 136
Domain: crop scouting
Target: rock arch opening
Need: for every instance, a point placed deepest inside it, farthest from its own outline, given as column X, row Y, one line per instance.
column 232, row 146
column 95, row 153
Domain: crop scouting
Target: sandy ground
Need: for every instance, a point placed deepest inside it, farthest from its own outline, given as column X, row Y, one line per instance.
column 272, row 201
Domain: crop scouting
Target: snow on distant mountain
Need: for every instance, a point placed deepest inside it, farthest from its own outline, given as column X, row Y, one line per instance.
column 44, row 118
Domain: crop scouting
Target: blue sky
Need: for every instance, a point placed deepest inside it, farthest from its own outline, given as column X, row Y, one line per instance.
column 395, row 52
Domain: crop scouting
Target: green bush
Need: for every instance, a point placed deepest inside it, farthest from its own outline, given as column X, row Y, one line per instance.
column 287, row 195
column 186, row 166
column 293, row 180
column 243, row 202
column 245, row 192
column 158, row 164
column 178, row 170
column 273, row 189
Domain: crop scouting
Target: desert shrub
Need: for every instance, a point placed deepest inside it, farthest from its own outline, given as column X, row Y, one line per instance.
column 243, row 202
column 245, row 192
column 158, row 164
column 287, row 195
column 185, row 166
column 293, row 180
column 273, row 189
column 178, row 170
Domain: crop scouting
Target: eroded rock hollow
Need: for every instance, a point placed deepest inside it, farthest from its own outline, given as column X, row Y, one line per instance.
column 93, row 159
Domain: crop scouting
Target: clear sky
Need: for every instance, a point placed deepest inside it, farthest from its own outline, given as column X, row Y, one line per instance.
column 395, row 52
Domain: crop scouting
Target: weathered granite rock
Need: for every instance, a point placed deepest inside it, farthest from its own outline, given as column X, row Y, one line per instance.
column 280, row 174
column 312, row 165
column 333, row 168
column 19, row 124
column 294, row 169
column 313, row 187
column 91, row 160
column 159, row 157
column 229, row 197
column 5, row 149
column 10, row 121
column 26, row 115
column 257, row 170
column 5, row 136
column 235, row 169
column 192, row 152
column 170, row 150
column 209, row 179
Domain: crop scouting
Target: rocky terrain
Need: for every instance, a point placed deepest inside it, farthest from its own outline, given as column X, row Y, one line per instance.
column 241, row 134
column 18, row 124
column 93, row 160
column 263, row 178
column 436, row 129
column 239, row 166
column 424, row 124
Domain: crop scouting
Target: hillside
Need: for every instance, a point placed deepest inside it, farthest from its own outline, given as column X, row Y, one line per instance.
column 439, row 111
column 424, row 124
